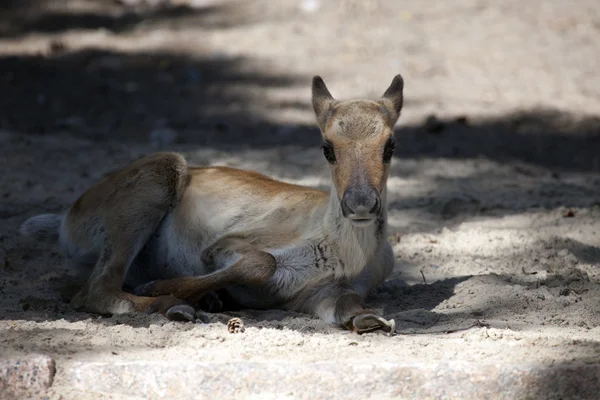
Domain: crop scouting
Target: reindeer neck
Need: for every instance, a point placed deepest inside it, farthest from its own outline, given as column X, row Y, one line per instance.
column 356, row 245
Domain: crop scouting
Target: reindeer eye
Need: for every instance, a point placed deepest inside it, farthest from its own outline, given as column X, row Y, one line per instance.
column 388, row 151
column 328, row 152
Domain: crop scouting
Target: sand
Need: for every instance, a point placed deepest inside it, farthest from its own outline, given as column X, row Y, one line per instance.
column 494, row 194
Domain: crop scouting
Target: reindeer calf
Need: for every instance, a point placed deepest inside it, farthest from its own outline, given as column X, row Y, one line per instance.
column 176, row 233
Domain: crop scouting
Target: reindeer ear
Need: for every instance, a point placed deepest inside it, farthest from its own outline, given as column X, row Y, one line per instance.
column 322, row 101
column 393, row 97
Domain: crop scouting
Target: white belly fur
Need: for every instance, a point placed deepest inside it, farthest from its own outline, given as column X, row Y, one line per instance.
column 170, row 254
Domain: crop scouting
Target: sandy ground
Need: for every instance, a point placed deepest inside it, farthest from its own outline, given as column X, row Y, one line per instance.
column 494, row 192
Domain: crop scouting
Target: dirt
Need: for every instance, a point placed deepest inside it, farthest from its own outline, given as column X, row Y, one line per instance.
column 494, row 191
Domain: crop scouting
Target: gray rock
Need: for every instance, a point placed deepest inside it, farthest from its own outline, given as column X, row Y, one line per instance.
column 25, row 376
column 327, row 380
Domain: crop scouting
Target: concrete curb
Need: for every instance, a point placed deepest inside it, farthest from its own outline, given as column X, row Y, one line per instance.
column 25, row 376
column 326, row 380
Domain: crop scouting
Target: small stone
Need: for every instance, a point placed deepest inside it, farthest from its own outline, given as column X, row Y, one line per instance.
column 23, row 377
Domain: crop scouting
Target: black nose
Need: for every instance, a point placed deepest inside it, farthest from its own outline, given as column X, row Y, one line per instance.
column 361, row 202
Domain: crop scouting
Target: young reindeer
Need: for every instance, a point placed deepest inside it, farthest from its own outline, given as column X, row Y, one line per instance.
column 178, row 233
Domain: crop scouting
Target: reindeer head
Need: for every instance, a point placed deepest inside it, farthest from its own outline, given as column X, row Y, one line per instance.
column 358, row 143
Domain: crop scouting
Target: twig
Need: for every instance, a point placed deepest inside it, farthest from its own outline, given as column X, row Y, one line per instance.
column 423, row 275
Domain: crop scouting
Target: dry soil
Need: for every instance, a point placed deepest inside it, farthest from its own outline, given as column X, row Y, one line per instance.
column 494, row 191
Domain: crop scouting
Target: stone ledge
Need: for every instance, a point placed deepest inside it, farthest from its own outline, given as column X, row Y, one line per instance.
column 326, row 380
column 25, row 375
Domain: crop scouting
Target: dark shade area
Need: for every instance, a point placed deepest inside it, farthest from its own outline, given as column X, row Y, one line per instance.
column 213, row 102
column 24, row 17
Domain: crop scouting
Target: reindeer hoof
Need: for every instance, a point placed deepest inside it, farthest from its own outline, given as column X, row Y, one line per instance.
column 201, row 317
column 364, row 323
column 172, row 308
column 181, row 313
column 146, row 289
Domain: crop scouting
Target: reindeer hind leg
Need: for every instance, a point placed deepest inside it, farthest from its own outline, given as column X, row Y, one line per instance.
column 143, row 194
column 236, row 263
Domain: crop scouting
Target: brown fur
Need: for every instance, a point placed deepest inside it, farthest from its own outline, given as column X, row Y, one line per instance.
column 267, row 242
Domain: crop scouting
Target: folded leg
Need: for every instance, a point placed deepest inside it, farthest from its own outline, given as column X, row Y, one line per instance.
column 235, row 262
